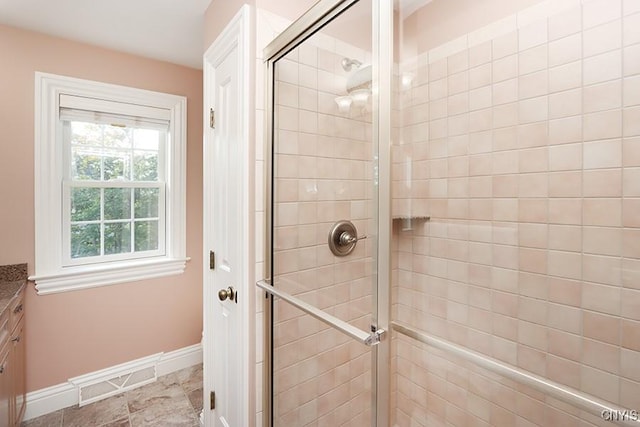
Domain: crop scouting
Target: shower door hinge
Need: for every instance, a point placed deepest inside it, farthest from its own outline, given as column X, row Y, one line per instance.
column 375, row 337
column 212, row 119
column 212, row 401
column 212, row 260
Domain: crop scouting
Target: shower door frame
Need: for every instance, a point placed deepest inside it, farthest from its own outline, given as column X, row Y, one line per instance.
column 323, row 12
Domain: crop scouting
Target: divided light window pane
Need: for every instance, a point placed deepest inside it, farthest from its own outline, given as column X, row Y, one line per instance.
column 115, row 191
column 107, row 152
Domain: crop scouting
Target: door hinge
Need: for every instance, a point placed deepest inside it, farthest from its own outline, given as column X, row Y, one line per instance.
column 212, row 119
column 212, row 401
column 212, row 260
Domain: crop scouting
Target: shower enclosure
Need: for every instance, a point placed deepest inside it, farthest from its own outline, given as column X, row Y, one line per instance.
column 454, row 214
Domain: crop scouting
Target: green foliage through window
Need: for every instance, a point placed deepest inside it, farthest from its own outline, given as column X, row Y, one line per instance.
column 108, row 218
column 85, row 240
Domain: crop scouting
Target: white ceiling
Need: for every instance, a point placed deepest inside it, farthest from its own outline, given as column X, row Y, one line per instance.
column 168, row 30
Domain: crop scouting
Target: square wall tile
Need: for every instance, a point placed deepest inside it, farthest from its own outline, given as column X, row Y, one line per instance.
column 606, row 270
column 565, row 50
column 601, row 356
column 630, row 334
column 631, row 182
column 565, row 23
column 602, row 212
column 505, row 68
column 631, row 212
column 480, row 54
column 566, row 130
column 601, row 298
column 603, row 38
column 567, row 76
column 565, row 184
column 505, row 45
column 534, row 59
column 532, row 85
column 566, row 103
column 631, row 121
column 631, row 90
column 630, row 364
column 630, row 6
column 601, row 11
column 532, row 35
column 604, row 96
column 603, row 154
column 565, row 264
column 602, row 183
column 631, row 29
column 601, row 327
column 603, row 67
column 533, row 110
column 566, row 211
column 565, row 157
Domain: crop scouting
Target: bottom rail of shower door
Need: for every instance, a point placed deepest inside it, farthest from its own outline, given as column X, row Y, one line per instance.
column 367, row 338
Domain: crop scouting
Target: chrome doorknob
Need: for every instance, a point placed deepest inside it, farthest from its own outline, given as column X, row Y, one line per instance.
column 229, row 293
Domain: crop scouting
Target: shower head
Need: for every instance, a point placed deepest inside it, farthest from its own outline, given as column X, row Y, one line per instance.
column 359, row 79
column 358, row 85
column 348, row 63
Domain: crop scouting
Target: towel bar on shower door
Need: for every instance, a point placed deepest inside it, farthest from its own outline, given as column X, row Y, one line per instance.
column 367, row 338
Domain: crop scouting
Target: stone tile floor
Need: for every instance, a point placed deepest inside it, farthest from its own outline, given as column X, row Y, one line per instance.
column 175, row 400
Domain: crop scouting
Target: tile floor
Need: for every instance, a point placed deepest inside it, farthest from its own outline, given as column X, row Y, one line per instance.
column 175, row 400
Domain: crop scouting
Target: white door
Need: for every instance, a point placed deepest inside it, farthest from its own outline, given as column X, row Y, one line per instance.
column 225, row 210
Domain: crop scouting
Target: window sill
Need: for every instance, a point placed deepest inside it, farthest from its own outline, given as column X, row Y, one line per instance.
column 86, row 277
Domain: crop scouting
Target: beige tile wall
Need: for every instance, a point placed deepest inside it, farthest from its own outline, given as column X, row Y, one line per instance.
column 525, row 151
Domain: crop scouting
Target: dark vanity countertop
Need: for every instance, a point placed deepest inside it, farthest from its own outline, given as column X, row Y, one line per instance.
column 12, row 279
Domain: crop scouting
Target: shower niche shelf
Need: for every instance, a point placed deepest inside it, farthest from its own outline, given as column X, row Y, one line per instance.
column 408, row 222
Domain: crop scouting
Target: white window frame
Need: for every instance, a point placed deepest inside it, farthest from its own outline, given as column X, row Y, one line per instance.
column 53, row 273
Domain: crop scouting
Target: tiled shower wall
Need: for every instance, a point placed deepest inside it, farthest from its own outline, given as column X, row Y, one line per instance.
column 524, row 141
column 322, row 170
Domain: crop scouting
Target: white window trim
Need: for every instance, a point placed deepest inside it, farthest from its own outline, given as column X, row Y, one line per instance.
column 50, row 275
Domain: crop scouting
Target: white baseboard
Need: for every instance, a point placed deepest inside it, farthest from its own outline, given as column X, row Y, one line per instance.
column 179, row 359
column 51, row 399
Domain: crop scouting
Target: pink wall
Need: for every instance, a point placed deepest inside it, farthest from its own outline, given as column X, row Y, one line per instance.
column 73, row 333
column 218, row 15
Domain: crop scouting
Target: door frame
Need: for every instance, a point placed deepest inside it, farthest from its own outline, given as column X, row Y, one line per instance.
column 236, row 35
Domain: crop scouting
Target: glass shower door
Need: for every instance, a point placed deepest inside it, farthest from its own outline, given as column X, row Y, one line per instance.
column 323, row 226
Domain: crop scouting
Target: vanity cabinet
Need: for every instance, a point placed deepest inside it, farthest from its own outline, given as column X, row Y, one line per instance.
column 5, row 388
column 18, row 360
column 13, row 282
column 12, row 363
